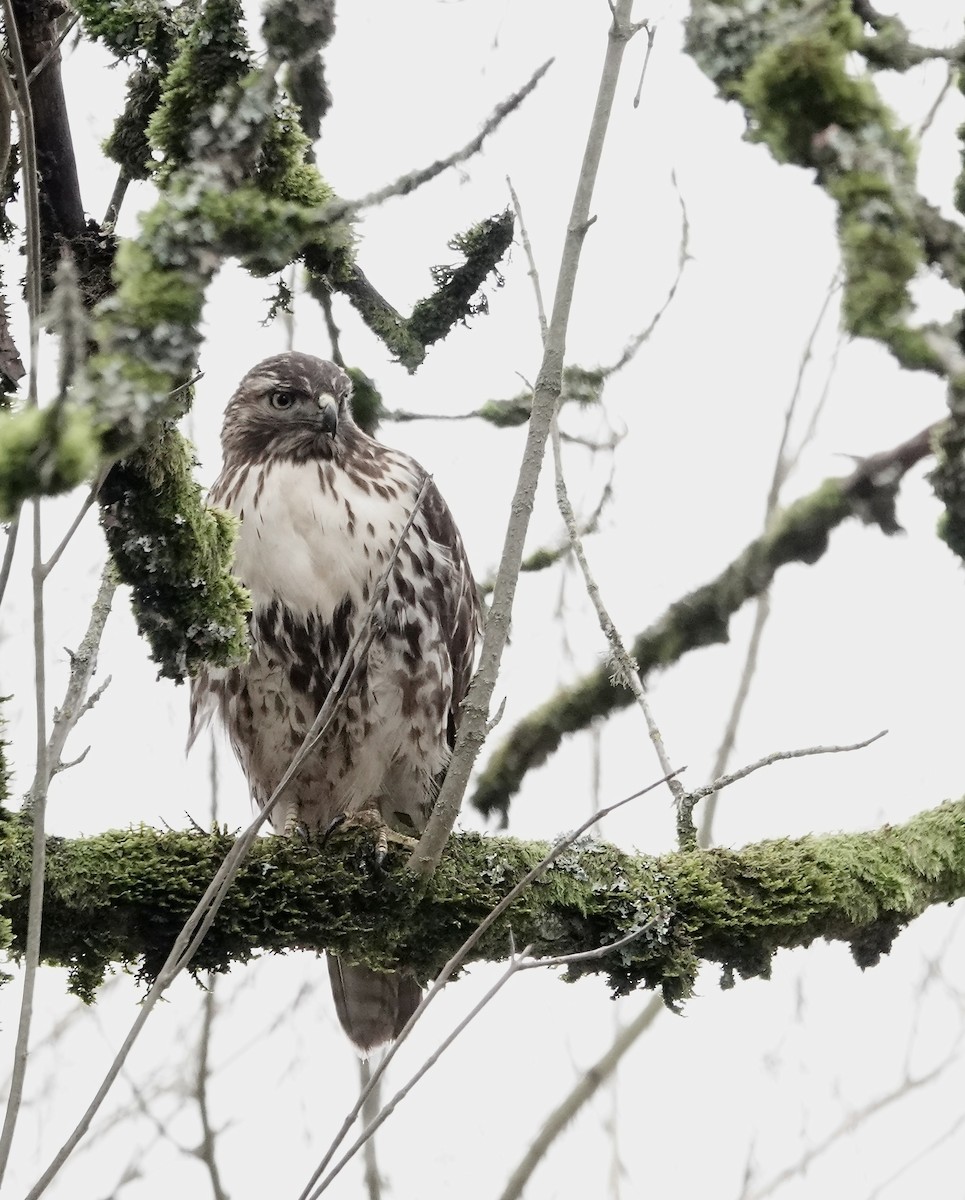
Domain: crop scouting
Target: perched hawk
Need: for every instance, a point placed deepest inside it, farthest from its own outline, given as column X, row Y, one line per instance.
column 321, row 506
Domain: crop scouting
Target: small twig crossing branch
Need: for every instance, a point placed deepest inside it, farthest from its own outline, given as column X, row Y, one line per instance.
column 456, row 961
column 472, row 729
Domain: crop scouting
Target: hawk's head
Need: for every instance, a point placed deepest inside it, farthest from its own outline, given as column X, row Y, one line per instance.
column 289, row 406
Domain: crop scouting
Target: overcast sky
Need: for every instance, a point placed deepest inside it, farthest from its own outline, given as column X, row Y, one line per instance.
column 870, row 638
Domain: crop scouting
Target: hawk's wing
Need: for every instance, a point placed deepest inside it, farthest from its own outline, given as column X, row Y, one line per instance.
column 462, row 620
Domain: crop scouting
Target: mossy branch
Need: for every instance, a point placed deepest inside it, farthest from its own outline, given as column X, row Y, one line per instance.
column 702, row 618
column 788, row 65
column 791, row 67
column 119, row 899
column 175, row 554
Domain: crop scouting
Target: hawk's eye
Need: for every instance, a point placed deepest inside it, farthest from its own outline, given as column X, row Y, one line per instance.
column 281, row 400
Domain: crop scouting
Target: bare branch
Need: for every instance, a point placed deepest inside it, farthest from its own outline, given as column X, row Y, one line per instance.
column 683, row 257
column 338, row 210
column 472, row 728
column 206, row 1150
column 521, row 962
column 651, row 34
column 37, row 803
column 851, row 1122
column 587, row 1086
column 778, row 756
column 951, row 73
column 88, row 503
column 625, row 670
column 530, row 259
column 11, row 544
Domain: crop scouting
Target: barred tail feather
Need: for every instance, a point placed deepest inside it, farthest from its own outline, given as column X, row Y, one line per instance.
column 372, row 1006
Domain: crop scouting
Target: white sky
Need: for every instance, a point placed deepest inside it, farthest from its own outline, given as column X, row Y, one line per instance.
column 870, row 638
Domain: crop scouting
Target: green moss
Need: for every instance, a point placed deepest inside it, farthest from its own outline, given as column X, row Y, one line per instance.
column 796, row 89
column 367, row 406
column 176, row 556
column 293, row 29
column 212, row 57
column 948, row 476
column 880, row 262
column 306, row 84
column 128, row 144
column 120, row 899
column 5, row 773
column 150, row 293
column 131, row 28
column 457, row 294
column 44, row 452
column 284, row 169
column 507, row 413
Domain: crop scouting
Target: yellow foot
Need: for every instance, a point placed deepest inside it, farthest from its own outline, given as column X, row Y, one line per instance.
column 371, row 820
column 295, row 826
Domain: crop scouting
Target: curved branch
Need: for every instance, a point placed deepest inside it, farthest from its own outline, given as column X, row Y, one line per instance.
column 702, row 618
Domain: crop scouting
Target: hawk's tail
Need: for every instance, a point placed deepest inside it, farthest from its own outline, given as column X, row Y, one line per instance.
column 372, row 1006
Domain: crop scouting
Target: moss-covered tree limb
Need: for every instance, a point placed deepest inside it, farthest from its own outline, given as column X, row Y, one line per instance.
column 171, row 550
column 948, row 477
column 168, row 89
column 798, row 534
column 119, row 899
column 790, row 64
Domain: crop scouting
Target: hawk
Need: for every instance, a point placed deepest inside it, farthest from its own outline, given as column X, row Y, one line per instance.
column 321, row 506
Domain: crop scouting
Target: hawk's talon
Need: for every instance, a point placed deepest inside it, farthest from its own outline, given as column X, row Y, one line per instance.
column 331, row 827
column 295, row 827
column 371, row 820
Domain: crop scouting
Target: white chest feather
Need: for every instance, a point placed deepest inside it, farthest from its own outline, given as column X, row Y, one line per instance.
column 307, row 544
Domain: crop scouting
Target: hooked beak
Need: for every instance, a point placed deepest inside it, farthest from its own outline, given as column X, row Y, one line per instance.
column 328, row 413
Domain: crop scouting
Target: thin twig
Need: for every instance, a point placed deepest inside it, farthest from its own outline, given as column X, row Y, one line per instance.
column 683, row 257
column 625, row 670
column 324, row 296
column 851, row 1122
column 83, row 664
column 339, row 210
column 459, row 957
column 762, row 611
column 206, row 1150
column 785, row 462
column 777, row 756
column 952, row 70
column 475, row 715
column 924, row 1153
column 200, row 920
column 18, row 99
column 531, row 261
column 587, row 1086
column 651, row 34
column 38, row 806
column 12, row 530
column 88, row 502
column 370, row 1111
column 520, row 962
